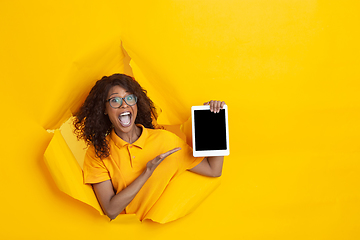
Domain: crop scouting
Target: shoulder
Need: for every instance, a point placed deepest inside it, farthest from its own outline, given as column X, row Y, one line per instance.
column 90, row 154
column 163, row 137
column 162, row 134
column 91, row 160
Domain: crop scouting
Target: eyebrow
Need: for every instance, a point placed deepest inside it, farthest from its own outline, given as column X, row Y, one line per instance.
column 117, row 93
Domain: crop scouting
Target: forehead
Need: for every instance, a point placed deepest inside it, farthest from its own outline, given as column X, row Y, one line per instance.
column 117, row 91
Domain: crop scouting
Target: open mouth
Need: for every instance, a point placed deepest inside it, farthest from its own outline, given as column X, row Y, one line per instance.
column 125, row 119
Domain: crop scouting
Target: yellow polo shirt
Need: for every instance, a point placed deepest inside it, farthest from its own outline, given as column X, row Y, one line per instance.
column 127, row 161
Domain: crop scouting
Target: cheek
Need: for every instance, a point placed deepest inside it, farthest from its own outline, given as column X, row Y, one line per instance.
column 110, row 111
column 111, row 114
column 135, row 110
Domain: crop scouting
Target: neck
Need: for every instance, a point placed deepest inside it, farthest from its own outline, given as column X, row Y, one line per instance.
column 130, row 136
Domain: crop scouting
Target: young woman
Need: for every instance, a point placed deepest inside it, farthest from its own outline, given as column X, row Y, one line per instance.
column 128, row 162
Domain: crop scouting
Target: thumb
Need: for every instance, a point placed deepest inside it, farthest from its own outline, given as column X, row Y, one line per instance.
column 158, row 158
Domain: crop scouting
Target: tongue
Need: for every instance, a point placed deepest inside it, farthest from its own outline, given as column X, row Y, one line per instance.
column 125, row 120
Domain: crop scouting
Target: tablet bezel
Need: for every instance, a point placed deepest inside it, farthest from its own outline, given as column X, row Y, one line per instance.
column 209, row 153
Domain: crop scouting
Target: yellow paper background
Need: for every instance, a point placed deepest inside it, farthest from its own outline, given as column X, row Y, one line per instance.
column 288, row 71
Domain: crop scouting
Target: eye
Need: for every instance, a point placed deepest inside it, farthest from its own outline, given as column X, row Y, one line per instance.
column 130, row 97
column 115, row 100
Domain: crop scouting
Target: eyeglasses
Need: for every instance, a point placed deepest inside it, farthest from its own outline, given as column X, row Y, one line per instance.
column 116, row 102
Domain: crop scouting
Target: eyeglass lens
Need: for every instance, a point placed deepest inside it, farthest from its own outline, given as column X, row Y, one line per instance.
column 116, row 102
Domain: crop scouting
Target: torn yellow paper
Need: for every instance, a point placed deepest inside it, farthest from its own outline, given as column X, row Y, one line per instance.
column 67, row 173
column 172, row 108
column 96, row 58
column 182, row 196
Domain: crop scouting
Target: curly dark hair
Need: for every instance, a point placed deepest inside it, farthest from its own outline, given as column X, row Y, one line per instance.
column 92, row 125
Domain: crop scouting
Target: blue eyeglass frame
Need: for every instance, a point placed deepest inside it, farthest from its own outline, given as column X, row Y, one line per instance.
column 122, row 99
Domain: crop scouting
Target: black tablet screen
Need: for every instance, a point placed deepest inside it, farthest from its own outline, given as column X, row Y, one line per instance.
column 210, row 130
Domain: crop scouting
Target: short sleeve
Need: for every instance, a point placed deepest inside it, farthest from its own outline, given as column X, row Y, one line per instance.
column 94, row 168
column 187, row 160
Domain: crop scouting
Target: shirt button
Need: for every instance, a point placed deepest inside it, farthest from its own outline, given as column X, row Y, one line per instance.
column 133, row 156
column 130, row 146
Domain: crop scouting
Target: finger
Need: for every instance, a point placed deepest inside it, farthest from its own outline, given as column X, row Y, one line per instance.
column 162, row 156
column 222, row 104
column 157, row 160
column 168, row 153
column 217, row 104
column 212, row 106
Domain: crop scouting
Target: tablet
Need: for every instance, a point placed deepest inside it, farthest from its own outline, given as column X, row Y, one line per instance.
column 210, row 132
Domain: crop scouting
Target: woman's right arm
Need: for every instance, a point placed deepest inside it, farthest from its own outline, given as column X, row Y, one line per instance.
column 113, row 204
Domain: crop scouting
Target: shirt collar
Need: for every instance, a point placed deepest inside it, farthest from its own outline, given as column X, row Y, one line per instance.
column 140, row 142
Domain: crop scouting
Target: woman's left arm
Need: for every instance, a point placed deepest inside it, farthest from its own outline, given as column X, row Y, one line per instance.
column 211, row 166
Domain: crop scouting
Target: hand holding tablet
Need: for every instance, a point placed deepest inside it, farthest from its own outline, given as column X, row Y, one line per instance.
column 210, row 132
column 215, row 106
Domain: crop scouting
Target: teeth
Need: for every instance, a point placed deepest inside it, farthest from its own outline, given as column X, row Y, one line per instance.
column 125, row 113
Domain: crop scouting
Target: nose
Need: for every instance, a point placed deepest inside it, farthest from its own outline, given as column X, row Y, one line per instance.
column 124, row 104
